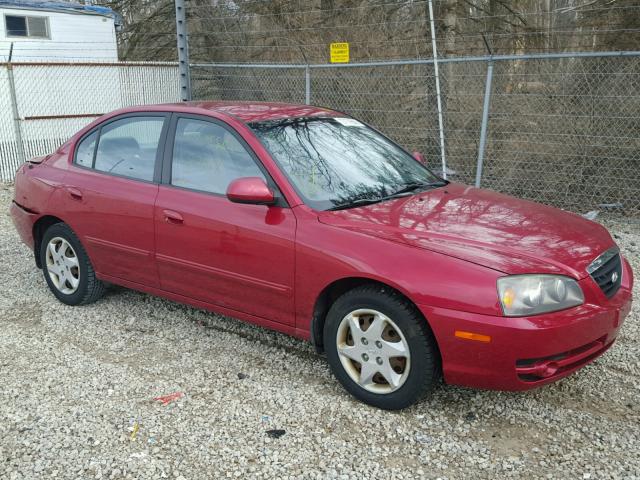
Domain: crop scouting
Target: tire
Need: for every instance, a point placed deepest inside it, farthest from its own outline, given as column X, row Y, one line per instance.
column 413, row 372
column 75, row 282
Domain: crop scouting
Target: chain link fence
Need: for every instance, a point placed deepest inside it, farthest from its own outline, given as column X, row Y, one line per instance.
column 43, row 104
column 561, row 129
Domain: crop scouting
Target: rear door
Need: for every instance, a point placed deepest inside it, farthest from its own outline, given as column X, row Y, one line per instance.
column 111, row 188
column 234, row 255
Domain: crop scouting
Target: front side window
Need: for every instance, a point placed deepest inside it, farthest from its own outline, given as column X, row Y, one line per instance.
column 337, row 162
column 129, row 146
column 22, row 26
column 207, row 157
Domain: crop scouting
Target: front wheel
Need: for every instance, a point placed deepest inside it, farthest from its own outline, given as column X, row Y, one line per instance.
column 380, row 348
column 67, row 268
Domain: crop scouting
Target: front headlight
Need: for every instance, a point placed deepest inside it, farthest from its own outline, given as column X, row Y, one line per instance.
column 522, row 295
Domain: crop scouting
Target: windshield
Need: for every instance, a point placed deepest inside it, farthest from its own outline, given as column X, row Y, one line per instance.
column 340, row 162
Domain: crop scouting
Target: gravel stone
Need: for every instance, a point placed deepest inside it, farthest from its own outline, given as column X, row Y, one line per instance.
column 75, row 380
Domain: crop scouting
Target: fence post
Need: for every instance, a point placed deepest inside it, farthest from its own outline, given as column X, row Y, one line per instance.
column 183, row 51
column 307, row 85
column 438, row 94
column 17, row 128
column 485, row 120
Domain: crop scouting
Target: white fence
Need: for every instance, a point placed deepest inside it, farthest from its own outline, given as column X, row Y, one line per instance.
column 43, row 104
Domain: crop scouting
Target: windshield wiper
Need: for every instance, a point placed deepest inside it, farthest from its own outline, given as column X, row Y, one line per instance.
column 407, row 188
column 361, row 202
column 413, row 186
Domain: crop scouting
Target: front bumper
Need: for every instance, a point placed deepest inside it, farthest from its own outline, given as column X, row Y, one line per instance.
column 526, row 352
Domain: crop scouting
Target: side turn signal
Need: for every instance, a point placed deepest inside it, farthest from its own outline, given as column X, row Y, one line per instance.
column 478, row 337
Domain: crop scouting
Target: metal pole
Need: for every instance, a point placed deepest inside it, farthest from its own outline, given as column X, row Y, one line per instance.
column 183, row 51
column 307, row 85
column 426, row 61
column 485, row 121
column 438, row 96
column 17, row 128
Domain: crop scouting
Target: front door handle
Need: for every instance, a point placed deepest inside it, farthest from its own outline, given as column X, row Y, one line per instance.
column 74, row 193
column 172, row 217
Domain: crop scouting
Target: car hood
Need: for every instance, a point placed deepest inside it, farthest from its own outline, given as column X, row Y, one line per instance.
column 484, row 227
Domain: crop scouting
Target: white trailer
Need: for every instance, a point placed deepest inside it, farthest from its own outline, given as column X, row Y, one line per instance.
column 57, row 31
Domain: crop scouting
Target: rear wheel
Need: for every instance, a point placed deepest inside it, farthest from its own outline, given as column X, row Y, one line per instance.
column 67, row 268
column 380, row 348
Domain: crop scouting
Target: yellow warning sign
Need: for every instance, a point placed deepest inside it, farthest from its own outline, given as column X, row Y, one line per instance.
column 339, row 52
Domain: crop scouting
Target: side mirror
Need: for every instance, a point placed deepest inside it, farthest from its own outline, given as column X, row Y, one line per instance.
column 420, row 157
column 251, row 190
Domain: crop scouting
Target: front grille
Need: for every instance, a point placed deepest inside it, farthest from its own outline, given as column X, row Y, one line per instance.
column 606, row 271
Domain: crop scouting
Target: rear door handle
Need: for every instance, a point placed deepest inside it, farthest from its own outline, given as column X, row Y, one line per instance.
column 74, row 193
column 172, row 217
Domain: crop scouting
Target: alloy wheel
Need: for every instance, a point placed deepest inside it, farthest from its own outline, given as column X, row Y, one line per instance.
column 373, row 351
column 63, row 265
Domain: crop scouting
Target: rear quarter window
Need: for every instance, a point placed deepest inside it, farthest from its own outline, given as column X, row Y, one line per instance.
column 85, row 150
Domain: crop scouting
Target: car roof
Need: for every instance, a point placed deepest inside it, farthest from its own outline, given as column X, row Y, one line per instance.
column 259, row 111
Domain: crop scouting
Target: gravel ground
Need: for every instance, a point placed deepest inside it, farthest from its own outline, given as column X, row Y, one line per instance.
column 77, row 389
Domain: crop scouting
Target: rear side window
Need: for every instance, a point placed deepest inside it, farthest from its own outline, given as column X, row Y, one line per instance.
column 128, row 147
column 207, row 157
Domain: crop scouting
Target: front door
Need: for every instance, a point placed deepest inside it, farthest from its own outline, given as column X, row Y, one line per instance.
column 237, row 256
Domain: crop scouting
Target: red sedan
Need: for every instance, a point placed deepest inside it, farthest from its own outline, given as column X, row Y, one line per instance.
column 307, row 221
